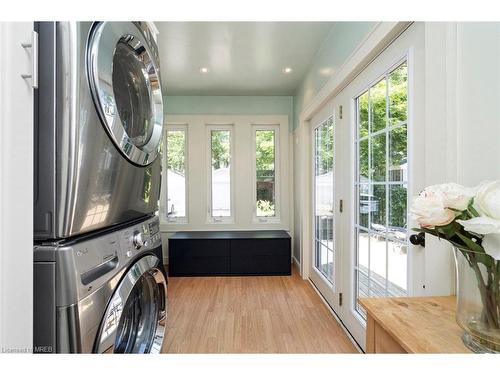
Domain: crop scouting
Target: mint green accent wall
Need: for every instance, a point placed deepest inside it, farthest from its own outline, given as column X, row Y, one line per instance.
column 339, row 44
column 230, row 105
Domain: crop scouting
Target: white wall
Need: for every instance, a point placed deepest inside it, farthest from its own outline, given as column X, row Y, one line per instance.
column 242, row 178
column 478, row 102
column 16, row 189
column 462, row 120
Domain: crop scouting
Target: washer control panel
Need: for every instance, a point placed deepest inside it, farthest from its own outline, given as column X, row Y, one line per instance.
column 138, row 240
column 141, row 237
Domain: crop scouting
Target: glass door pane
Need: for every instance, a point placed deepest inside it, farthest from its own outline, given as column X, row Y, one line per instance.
column 380, row 188
column 324, row 199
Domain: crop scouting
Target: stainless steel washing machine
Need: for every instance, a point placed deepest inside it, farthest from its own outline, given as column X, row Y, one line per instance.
column 103, row 293
column 98, row 127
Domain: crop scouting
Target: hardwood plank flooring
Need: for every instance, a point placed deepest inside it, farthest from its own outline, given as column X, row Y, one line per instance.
column 252, row 314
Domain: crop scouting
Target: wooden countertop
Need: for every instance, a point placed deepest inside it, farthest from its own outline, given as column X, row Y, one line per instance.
column 419, row 324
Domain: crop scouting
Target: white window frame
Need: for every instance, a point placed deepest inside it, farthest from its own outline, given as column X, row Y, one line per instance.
column 219, row 219
column 184, row 128
column 277, row 180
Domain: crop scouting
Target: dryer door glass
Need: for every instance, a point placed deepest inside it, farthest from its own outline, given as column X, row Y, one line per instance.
column 138, row 321
column 132, row 93
column 134, row 321
column 125, row 83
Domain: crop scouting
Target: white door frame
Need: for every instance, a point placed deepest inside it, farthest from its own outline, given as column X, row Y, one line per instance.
column 392, row 57
column 16, row 189
column 321, row 283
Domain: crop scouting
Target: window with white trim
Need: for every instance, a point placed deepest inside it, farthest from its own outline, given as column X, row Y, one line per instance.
column 266, row 177
column 176, row 150
column 220, row 173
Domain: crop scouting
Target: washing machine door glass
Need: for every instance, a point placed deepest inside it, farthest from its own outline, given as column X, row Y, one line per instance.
column 125, row 83
column 135, row 318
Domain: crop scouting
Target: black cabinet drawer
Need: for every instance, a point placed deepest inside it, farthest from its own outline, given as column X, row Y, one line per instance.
column 259, row 257
column 272, row 246
column 198, row 257
column 198, row 266
column 198, row 248
column 261, row 265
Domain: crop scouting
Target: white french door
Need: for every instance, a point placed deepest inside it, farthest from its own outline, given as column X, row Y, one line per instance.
column 378, row 167
column 324, row 260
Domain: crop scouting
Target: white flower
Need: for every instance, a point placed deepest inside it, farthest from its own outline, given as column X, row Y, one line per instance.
column 487, row 204
column 481, row 225
column 487, row 200
column 491, row 245
column 454, row 196
column 429, row 210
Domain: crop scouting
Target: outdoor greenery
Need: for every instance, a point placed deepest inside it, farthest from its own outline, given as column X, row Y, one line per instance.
column 375, row 114
column 221, row 148
column 176, row 151
column 265, row 208
column 324, row 148
column 264, row 150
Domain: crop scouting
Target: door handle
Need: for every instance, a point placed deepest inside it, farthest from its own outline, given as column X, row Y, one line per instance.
column 418, row 239
column 34, row 60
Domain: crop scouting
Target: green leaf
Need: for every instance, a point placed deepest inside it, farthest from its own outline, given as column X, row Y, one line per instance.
column 472, row 210
column 479, row 252
column 447, row 230
column 471, row 244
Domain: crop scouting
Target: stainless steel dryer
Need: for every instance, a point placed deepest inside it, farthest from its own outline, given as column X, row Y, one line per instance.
column 98, row 127
column 100, row 294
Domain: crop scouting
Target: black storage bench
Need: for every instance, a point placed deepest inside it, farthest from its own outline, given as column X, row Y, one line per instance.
column 263, row 252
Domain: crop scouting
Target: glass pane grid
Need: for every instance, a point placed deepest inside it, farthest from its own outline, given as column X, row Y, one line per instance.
column 386, row 234
column 380, row 183
column 381, row 188
column 323, row 199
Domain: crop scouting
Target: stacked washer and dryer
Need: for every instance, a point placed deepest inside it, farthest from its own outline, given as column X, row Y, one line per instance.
column 99, row 281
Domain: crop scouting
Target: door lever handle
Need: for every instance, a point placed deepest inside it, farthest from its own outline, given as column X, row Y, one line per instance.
column 418, row 239
column 34, row 60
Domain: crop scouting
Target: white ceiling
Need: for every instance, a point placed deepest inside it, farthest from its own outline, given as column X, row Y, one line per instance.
column 243, row 58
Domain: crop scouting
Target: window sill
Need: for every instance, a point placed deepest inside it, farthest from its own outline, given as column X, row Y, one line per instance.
column 264, row 221
column 216, row 222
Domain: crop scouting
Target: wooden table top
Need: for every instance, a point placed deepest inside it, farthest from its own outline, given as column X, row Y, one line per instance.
column 419, row 324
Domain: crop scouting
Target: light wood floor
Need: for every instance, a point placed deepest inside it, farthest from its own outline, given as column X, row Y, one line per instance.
column 253, row 314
